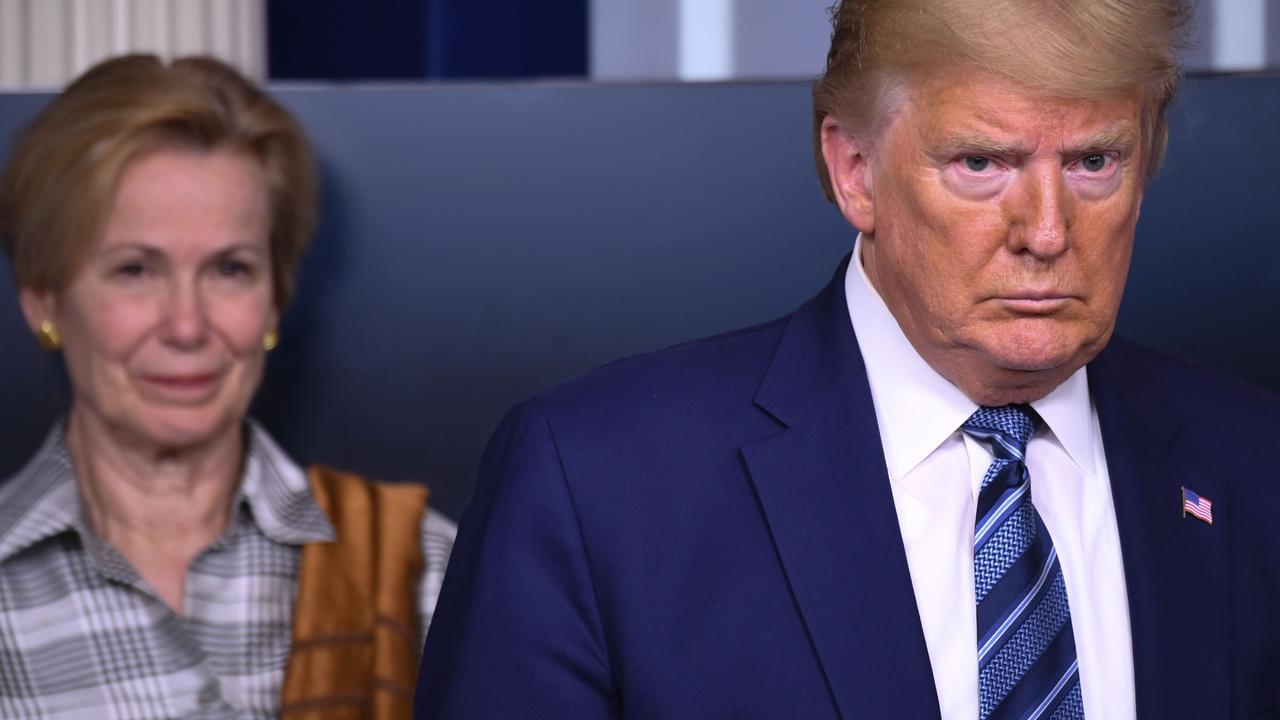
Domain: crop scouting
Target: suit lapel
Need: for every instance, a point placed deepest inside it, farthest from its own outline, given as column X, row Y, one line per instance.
column 823, row 486
column 1176, row 568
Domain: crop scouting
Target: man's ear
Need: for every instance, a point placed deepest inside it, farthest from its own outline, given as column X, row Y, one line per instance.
column 849, row 167
column 38, row 306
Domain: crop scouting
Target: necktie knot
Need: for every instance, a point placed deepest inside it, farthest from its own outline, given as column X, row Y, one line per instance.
column 1007, row 428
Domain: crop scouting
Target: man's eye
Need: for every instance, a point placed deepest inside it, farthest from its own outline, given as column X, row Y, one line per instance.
column 131, row 270
column 977, row 163
column 1094, row 163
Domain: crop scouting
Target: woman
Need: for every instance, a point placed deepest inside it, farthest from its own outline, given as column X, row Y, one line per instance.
column 161, row 556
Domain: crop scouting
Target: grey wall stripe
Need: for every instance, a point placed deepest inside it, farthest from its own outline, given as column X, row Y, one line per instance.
column 1239, row 34
column 1272, row 11
column 1199, row 55
column 634, row 40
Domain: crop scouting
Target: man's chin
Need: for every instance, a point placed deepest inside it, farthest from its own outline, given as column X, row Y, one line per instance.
column 1024, row 377
column 1036, row 364
column 1019, row 364
column 1004, row 386
column 1039, row 353
column 1006, row 376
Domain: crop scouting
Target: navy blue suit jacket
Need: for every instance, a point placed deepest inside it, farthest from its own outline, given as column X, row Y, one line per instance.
column 707, row 532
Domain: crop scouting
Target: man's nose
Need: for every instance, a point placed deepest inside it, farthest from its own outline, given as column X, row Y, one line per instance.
column 1041, row 225
column 186, row 323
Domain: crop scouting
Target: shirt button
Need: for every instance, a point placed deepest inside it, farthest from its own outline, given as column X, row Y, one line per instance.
column 208, row 695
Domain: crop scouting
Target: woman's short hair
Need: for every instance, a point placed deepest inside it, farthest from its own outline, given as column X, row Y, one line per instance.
column 62, row 176
column 1079, row 49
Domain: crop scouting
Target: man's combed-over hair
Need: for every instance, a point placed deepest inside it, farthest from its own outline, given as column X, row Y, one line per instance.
column 1074, row 49
column 62, row 177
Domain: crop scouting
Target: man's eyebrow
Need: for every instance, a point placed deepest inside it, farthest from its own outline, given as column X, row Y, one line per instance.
column 1121, row 135
column 982, row 144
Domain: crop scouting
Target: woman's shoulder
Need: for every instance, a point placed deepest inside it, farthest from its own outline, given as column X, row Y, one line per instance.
column 436, row 524
column 40, row 500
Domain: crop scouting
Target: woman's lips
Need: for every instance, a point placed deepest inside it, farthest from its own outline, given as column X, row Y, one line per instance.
column 182, row 387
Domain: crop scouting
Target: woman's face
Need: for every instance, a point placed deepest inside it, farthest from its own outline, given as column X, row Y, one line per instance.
column 163, row 326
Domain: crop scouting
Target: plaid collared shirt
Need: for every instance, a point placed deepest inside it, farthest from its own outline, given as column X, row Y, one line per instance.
column 83, row 636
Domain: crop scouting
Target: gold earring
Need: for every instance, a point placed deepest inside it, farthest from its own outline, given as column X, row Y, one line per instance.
column 270, row 340
column 48, row 336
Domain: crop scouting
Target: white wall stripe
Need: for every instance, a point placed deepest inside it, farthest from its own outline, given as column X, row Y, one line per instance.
column 78, row 20
column 221, row 29
column 188, row 26
column 1239, row 34
column 100, row 24
column 706, row 39
column 239, row 30
column 251, row 32
column 13, row 61
column 119, row 27
column 48, row 43
column 160, row 29
column 142, row 16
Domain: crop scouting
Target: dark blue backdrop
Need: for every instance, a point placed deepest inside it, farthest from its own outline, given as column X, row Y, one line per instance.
column 478, row 243
column 417, row 39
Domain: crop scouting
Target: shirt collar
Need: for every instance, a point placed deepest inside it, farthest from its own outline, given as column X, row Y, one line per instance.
column 42, row 501
column 917, row 409
column 278, row 494
column 1068, row 411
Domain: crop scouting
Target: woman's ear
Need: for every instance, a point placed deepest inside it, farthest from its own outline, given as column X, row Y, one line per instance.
column 38, row 307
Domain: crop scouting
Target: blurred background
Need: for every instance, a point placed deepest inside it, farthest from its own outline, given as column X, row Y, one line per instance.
column 43, row 43
column 516, row 191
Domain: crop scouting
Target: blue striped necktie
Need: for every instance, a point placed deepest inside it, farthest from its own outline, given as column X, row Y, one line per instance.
column 1027, row 666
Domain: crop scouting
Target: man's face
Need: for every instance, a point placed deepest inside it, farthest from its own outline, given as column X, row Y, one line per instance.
column 1000, row 230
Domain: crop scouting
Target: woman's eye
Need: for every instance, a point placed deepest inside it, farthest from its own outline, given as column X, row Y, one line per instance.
column 233, row 268
column 977, row 163
column 1094, row 163
column 131, row 270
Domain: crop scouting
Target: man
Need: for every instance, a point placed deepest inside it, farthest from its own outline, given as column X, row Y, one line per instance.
column 940, row 488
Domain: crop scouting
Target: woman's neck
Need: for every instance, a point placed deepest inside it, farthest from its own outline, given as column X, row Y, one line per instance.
column 158, row 506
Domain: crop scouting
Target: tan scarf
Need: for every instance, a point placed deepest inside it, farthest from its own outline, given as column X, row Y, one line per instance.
column 356, row 640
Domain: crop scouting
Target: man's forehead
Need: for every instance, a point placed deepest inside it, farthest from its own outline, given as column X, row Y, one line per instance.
column 1022, row 141
column 977, row 110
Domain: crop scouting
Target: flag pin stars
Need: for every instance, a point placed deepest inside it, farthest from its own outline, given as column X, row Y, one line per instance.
column 1197, row 506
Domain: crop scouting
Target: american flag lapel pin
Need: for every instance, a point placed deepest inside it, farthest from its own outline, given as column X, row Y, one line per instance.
column 1197, row 505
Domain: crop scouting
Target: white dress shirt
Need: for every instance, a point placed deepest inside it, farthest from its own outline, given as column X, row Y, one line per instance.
column 935, row 471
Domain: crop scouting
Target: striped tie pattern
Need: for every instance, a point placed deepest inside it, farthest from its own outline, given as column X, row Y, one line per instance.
column 1026, row 651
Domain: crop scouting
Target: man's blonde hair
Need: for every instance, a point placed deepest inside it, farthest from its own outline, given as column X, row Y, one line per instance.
column 60, row 181
column 1076, row 49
